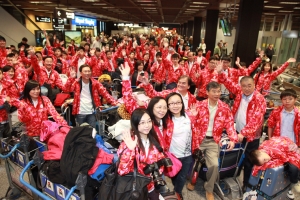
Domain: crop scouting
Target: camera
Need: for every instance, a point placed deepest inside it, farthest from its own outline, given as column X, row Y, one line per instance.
column 198, row 154
column 142, row 73
column 154, row 170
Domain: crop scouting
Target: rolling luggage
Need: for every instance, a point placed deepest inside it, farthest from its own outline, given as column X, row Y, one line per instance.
column 272, row 184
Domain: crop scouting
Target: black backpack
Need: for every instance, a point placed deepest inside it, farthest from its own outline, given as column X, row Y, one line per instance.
column 79, row 153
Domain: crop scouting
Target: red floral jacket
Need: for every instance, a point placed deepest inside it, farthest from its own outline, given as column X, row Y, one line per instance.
column 201, row 61
column 3, row 54
column 223, row 120
column 158, row 71
column 127, row 161
column 3, row 113
column 205, row 77
column 64, row 67
column 274, row 122
column 41, row 75
column 195, row 71
column 33, row 117
column 7, row 90
column 255, row 111
column 263, row 81
column 96, row 89
column 152, row 93
column 281, row 150
column 20, row 77
column 107, row 65
column 13, row 90
column 74, row 62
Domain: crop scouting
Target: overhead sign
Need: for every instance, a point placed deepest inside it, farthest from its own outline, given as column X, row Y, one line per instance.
column 58, row 26
column 84, row 21
column 70, row 15
column 43, row 19
column 59, row 13
column 60, row 21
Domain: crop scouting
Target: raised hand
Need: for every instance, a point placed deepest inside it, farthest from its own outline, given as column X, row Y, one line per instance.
column 230, row 146
column 219, row 67
column 123, row 53
column 131, row 144
column 125, row 69
column 237, row 62
column 92, row 52
column 291, row 60
column 193, row 110
column 72, row 72
column 166, row 44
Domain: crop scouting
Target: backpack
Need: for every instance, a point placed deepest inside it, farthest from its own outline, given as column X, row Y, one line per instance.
column 79, row 153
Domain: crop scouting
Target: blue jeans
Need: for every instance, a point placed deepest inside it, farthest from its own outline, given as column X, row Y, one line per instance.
column 90, row 119
column 293, row 172
column 180, row 179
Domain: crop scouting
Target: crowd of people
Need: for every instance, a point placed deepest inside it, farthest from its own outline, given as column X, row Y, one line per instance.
column 188, row 92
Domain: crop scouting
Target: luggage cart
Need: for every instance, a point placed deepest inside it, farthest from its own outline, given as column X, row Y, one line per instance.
column 15, row 160
column 106, row 117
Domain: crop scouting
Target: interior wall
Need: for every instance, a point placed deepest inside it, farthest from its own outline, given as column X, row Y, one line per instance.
column 228, row 39
column 13, row 30
column 42, row 25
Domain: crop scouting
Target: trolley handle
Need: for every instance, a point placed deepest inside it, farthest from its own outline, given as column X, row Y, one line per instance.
column 72, row 190
column 11, row 152
column 107, row 109
column 271, row 92
column 33, row 189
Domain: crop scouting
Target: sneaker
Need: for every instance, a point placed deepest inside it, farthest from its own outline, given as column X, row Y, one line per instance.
column 179, row 196
column 290, row 195
column 296, row 187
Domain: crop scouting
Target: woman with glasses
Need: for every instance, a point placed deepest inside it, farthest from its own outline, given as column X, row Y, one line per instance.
column 139, row 145
column 182, row 137
column 33, row 109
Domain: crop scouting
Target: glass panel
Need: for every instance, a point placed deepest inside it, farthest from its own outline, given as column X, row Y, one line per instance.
column 284, row 50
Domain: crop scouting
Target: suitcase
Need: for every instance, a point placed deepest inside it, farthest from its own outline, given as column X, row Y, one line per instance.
column 272, row 184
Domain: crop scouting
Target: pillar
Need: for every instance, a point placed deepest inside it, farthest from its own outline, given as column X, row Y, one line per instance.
column 249, row 15
column 197, row 32
column 211, row 29
column 190, row 28
column 185, row 29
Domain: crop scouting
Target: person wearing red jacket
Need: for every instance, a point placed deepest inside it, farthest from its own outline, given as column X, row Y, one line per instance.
column 248, row 110
column 138, row 146
column 285, row 120
column 275, row 152
column 264, row 79
column 3, row 51
column 193, row 71
column 206, row 76
column 34, row 109
column 81, row 59
column 200, row 59
column 182, row 137
column 87, row 92
column 158, row 72
column 182, row 89
column 15, row 90
column 213, row 117
column 180, row 49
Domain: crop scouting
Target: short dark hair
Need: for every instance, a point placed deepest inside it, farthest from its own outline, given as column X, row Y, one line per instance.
column 246, row 78
column 175, row 55
column 213, row 58
column 212, row 85
column 2, row 38
column 6, row 68
column 158, row 54
column 243, row 64
column 83, row 66
column 199, row 50
column 98, row 49
column 58, row 48
column 10, row 55
column 253, row 157
column 47, row 57
column 182, row 112
column 28, row 87
column 86, row 44
column 226, row 58
column 24, row 39
column 190, row 82
column 288, row 93
column 81, row 48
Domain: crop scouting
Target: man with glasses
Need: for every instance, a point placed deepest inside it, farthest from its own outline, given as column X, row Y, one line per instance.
column 207, row 75
column 87, row 92
column 248, row 110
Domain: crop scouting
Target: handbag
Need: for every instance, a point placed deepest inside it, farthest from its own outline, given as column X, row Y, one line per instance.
column 177, row 165
column 132, row 186
column 60, row 99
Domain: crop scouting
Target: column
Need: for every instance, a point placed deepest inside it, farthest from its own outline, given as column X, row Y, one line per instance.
column 185, row 29
column 190, row 28
column 197, row 32
column 249, row 15
column 211, row 29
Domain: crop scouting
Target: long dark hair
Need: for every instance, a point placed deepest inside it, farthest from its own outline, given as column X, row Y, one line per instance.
column 28, row 87
column 150, row 108
column 135, row 119
column 6, row 68
column 137, row 64
column 263, row 67
column 182, row 112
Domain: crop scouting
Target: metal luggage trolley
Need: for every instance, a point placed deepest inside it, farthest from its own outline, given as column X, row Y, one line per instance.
column 15, row 160
column 106, row 117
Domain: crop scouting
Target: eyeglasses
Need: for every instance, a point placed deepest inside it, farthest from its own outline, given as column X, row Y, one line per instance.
column 144, row 123
column 175, row 103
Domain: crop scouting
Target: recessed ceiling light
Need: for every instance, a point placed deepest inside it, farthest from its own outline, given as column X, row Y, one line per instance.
column 41, row 10
column 29, row 8
column 191, row 9
column 40, row 2
column 297, row 8
column 200, row 2
column 273, row 7
column 285, row 11
column 269, row 14
column 289, row 3
column 193, row 6
column 151, row 8
column 266, row 1
column 99, row 4
column 91, row 0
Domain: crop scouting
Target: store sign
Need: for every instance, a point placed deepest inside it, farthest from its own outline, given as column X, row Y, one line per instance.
column 70, row 15
column 59, row 13
column 58, row 27
column 43, row 19
column 60, row 21
column 83, row 21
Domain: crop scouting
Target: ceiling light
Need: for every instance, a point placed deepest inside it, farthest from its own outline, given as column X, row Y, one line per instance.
column 40, row 1
column 289, row 3
column 297, row 8
column 41, row 10
column 99, row 4
column 266, row 1
column 192, row 9
column 91, row 0
column 285, row 11
column 29, row 8
column 108, row 7
column 193, row 6
column 269, row 14
column 273, row 7
column 200, row 2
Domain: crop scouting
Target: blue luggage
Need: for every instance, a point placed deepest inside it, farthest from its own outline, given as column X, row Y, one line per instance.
column 272, row 184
